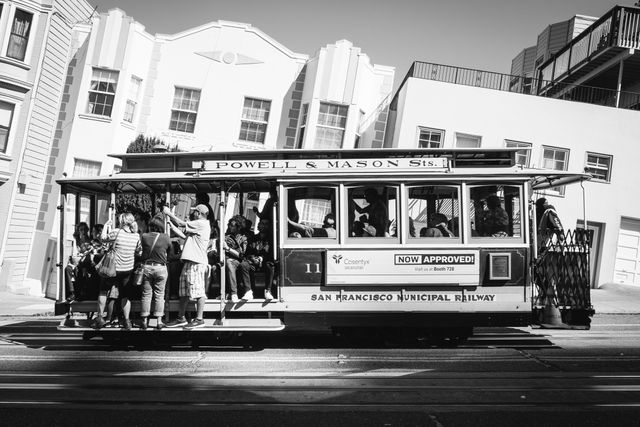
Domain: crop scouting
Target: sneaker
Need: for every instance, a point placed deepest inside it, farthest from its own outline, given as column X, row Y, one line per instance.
column 126, row 325
column 248, row 296
column 99, row 323
column 233, row 298
column 144, row 323
column 195, row 323
column 160, row 325
column 180, row 321
column 267, row 296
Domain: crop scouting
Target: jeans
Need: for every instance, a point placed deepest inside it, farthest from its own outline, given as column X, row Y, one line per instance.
column 155, row 279
column 69, row 280
column 269, row 269
column 232, row 266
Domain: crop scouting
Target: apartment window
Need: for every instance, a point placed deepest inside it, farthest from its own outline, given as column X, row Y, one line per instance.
column 255, row 117
column 102, row 92
column 86, row 168
column 332, row 121
column 19, row 37
column 599, row 165
column 522, row 156
column 303, row 125
column 556, row 159
column 184, row 110
column 132, row 100
column 6, row 115
column 430, row 138
column 464, row 140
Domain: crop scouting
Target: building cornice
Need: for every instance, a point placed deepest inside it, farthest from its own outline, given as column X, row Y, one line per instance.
column 237, row 25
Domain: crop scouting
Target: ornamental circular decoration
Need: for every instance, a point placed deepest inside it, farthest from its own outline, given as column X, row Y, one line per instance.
column 228, row 57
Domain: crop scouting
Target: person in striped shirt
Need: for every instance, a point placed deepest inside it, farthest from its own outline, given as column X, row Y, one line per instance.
column 126, row 245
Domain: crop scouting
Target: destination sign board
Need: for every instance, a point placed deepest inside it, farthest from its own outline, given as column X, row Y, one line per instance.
column 324, row 165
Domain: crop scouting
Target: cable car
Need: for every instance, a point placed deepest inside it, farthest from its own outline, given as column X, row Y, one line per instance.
column 429, row 239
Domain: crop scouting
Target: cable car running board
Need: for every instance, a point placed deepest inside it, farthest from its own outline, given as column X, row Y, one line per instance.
column 211, row 325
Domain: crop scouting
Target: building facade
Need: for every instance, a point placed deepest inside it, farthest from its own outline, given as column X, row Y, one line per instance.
column 221, row 86
column 556, row 134
column 586, row 59
column 35, row 39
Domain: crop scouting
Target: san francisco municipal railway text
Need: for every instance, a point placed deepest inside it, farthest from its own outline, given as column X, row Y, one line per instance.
column 415, row 297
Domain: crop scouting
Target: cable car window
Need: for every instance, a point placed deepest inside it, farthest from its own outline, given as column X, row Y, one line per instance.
column 372, row 210
column 495, row 211
column 434, row 212
column 311, row 213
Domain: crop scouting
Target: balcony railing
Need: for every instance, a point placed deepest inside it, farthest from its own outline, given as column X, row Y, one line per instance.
column 620, row 27
column 522, row 85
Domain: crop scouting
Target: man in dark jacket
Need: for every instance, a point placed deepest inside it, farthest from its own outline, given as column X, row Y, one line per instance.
column 548, row 222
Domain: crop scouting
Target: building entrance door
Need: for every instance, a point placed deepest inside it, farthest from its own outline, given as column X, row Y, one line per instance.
column 627, row 266
column 596, row 249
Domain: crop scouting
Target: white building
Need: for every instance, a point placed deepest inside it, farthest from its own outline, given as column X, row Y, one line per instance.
column 562, row 135
column 220, row 86
column 35, row 41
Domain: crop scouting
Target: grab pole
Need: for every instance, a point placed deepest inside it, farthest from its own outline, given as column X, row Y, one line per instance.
column 223, row 275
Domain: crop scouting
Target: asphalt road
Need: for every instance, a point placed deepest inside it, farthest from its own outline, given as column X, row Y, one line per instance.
column 499, row 377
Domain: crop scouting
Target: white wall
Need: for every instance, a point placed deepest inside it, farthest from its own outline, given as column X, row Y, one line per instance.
column 223, row 85
column 340, row 73
column 580, row 127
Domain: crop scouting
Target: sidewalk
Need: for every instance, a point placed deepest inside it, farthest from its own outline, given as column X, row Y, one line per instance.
column 24, row 305
column 608, row 299
column 616, row 299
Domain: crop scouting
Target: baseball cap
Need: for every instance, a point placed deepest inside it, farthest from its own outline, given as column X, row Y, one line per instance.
column 202, row 209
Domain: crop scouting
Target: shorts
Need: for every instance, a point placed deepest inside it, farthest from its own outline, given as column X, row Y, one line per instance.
column 116, row 287
column 192, row 280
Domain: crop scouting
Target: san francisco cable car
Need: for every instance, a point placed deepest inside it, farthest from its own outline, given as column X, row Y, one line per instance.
column 414, row 239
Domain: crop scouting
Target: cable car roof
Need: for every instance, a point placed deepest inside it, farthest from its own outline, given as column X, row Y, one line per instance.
column 191, row 182
column 184, row 161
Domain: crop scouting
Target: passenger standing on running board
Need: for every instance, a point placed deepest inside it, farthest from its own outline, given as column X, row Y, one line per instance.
column 194, row 257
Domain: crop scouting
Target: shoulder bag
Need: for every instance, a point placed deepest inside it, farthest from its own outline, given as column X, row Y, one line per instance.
column 138, row 275
column 107, row 265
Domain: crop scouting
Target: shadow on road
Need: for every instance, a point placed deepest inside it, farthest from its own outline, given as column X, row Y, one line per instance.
column 44, row 335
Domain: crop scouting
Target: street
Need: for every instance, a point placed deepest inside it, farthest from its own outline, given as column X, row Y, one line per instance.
column 500, row 376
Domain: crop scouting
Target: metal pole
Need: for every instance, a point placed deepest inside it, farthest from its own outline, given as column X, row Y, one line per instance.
column 112, row 209
column 586, row 231
column 275, row 246
column 167, row 288
column 534, row 250
column 60, row 261
column 223, row 276
column 619, row 86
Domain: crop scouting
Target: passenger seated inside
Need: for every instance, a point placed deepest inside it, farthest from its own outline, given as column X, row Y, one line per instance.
column 259, row 257
column 309, row 212
column 328, row 228
column 374, row 217
column 454, row 226
column 430, row 232
column 495, row 220
column 235, row 247
column 70, row 275
column 439, row 221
